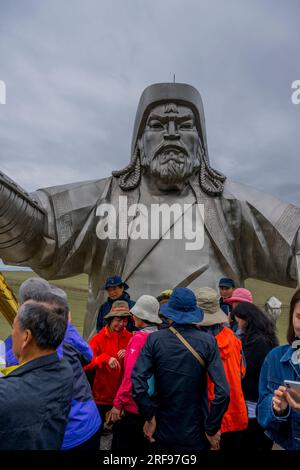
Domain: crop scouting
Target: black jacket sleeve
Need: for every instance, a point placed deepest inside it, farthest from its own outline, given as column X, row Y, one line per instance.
column 220, row 402
column 255, row 352
column 142, row 371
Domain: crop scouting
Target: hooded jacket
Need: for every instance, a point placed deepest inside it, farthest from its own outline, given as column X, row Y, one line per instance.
column 107, row 344
column 230, row 347
column 84, row 419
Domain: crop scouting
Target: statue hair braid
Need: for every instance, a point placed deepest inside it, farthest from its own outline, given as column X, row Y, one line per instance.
column 130, row 176
column 211, row 181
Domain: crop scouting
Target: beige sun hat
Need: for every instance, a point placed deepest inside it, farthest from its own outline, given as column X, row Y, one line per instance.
column 147, row 308
column 209, row 301
column 119, row 308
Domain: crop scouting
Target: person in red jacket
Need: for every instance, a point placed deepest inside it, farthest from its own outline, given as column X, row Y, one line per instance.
column 128, row 428
column 109, row 347
column 235, row 419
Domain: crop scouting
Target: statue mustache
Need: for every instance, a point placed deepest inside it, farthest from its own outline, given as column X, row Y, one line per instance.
column 177, row 149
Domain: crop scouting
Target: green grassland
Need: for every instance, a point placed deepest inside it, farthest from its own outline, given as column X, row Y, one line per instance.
column 77, row 289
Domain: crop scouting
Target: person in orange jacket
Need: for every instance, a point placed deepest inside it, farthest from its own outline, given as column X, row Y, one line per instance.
column 235, row 419
column 109, row 347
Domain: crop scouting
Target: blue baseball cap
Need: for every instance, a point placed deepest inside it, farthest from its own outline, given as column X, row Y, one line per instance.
column 113, row 281
column 182, row 307
column 226, row 282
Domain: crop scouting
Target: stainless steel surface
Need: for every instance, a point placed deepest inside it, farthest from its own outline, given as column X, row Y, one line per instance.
column 21, row 222
column 247, row 233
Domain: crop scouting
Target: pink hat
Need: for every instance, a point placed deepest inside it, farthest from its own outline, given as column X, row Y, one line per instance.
column 240, row 295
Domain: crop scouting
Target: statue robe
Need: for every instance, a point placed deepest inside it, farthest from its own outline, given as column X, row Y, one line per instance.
column 248, row 234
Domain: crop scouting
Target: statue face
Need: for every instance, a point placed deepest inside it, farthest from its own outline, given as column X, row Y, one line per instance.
column 170, row 143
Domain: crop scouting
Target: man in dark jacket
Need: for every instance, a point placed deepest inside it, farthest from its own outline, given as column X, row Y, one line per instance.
column 179, row 419
column 226, row 287
column 35, row 397
column 115, row 288
column 83, row 427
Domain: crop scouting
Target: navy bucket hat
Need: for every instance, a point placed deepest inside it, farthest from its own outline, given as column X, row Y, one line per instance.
column 182, row 307
column 226, row 282
column 113, row 281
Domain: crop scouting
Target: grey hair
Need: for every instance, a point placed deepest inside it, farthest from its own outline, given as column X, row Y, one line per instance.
column 211, row 181
column 35, row 286
column 31, row 286
column 47, row 326
column 53, row 301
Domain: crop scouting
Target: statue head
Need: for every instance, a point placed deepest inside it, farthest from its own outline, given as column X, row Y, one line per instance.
column 169, row 146
column 169, row 140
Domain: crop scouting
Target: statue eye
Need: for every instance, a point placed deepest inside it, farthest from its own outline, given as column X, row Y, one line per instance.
column 186, row 125
column 155, row 124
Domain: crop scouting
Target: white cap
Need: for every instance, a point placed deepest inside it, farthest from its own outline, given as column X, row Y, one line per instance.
column 273, row 302
column 147, row 308
column 273, row 308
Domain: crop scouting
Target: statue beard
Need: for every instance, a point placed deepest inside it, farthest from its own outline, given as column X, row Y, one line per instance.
column 171, row 164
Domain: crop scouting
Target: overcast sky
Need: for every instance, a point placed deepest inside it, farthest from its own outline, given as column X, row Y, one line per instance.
column 75, row 69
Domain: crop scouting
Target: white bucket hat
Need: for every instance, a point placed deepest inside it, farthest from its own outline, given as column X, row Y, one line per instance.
column 147, row 308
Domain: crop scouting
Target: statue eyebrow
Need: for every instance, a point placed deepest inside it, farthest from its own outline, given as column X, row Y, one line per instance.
column 164, row 119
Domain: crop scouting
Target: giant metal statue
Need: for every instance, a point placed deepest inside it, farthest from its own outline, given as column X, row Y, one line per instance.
column 63, row 231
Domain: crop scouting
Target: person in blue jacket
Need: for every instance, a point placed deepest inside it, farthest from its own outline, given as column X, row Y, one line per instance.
column 82, row 431
column 277, row 411
column 115, row 288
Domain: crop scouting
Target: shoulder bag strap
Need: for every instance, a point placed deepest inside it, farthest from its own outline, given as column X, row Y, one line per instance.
column 188, row 346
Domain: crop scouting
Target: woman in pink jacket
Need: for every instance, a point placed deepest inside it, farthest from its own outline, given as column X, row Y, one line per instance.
column 128, row 433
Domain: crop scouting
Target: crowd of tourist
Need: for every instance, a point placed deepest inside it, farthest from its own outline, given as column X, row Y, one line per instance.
column 187, row 371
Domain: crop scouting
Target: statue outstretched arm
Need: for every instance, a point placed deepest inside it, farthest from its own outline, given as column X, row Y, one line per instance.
column 22, row 223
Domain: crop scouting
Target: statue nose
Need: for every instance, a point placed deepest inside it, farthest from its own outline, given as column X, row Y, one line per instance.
column 171, row 134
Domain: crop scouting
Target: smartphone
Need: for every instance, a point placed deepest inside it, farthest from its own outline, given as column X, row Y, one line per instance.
column 292, row 384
